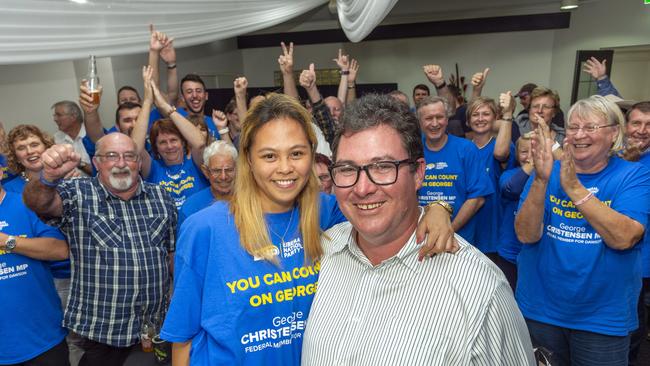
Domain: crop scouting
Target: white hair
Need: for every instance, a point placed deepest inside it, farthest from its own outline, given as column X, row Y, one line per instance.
column 219, row 147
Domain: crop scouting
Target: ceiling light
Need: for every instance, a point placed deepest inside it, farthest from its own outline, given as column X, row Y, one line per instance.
column 568, row 4
column 79, row 1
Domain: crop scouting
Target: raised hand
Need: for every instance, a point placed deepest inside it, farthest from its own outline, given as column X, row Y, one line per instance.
column 479, row 78
column 219, row 119
column 156, row 40
column 541, row 146
column 168, row 52
column 354, row 69
column 434, row 74
column 568, row 177
column 308, row 77
column 342, row 61
column 59, row 161
column 240, row 85
column 86, row 98
column 161, row 102
column 147, row 77
column 507, row 103
column 286, row 58
column 596, row 69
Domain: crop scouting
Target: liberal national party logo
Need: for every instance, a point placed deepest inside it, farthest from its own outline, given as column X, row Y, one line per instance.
column 438, row 165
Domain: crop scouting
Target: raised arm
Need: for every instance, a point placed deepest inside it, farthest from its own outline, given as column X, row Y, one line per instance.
column 221, row 121
column 528, row 222
column 437, row 78
column 156, row 43
column 617, row 230
column 190, row 132
column 92, row 122
column 342, row 61
column 352, row 82
column 168, row 55
column 240, row 85
column 40, row 195
column 320, row 112
column 47, row 249
column 598, row 71
column 502, row 143
column 478, row 82
column 139, row 134
column 286, row 67
column 308, row 81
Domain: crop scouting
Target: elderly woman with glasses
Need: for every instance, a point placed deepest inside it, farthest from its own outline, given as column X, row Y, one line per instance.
column 580, row 220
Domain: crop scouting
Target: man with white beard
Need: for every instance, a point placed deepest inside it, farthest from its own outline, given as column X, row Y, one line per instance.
column 121, row 234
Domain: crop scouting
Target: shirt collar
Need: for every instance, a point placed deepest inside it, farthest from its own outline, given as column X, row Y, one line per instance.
column 64, row 136
column 407, row 256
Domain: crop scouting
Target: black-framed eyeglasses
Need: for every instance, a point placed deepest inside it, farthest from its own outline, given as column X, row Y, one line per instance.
column 115, row 157
column 381, row 173
column 572, row 129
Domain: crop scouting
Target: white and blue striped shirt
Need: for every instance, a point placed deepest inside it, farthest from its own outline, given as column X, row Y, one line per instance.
column 452, row 309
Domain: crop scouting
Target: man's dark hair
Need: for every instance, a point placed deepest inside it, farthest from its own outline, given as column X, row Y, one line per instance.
column 643, row 107
column 124, row 106
column 421, row 87
column 128, row 87
column 192, row 77
column 379, row 109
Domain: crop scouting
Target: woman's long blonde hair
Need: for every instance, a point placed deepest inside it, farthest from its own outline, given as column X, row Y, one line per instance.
column 246, row 205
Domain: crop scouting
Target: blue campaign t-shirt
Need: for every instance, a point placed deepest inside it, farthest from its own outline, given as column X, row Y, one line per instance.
column 454, row 174
column 511, row 184
column 571, row 278
column 489, row 216
column 645, row 248
column 5, row 174
column 30, row 321
column 195, row 203
column 60, row 269
column 212, row 128
column 235, row 308
column 180, row 180
column 15, row 185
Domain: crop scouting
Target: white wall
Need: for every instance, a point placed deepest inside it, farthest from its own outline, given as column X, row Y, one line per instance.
column 597, row 25
column 631, row 73
column 28, row 91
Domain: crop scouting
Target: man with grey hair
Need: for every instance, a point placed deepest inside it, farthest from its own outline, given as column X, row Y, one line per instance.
column 69, row 120
column 121, row 234
column 219, row 163
column 453, row 171
column 377, row 303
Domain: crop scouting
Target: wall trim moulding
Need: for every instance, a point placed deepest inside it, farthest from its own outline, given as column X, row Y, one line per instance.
column 514, row 23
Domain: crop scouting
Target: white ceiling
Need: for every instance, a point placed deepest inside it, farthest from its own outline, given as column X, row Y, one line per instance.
column 412, row 11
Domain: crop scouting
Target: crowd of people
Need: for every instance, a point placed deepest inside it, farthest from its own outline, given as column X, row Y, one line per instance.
column 357, row 229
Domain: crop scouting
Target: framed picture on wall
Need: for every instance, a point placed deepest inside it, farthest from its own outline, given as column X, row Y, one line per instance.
column 583, row 84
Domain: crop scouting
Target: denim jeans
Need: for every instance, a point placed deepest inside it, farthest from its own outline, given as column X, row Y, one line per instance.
column 572, row 347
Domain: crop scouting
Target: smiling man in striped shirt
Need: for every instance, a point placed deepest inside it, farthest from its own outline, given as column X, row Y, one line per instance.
column 376, row 303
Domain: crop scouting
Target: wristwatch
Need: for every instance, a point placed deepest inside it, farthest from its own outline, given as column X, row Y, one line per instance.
column 10, row 244
column 444, row 205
